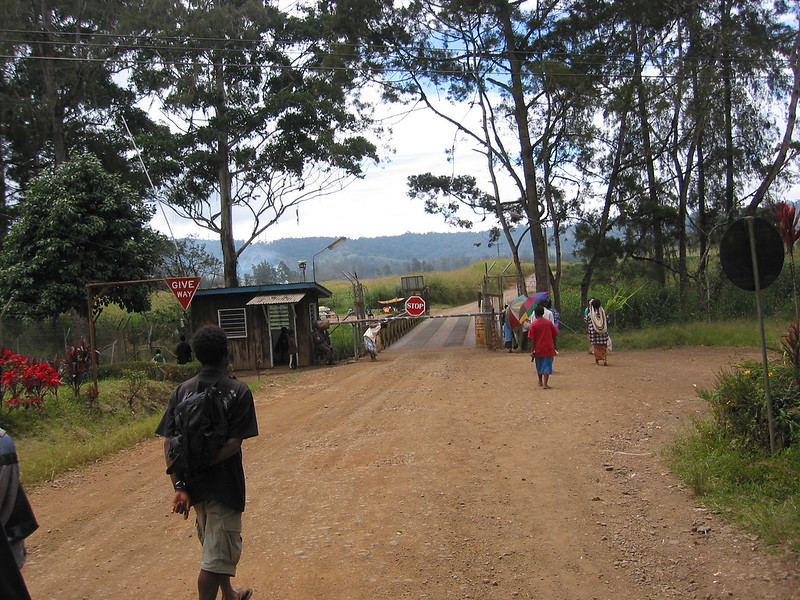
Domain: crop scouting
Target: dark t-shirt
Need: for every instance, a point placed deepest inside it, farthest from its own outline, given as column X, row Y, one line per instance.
column 183, row 353
column 224, row 482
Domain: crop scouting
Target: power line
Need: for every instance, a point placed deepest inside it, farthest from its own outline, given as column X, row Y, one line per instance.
column 393, row 70
column 230, row 45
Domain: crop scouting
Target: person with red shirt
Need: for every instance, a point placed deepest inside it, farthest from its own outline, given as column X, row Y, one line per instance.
column 543, row 334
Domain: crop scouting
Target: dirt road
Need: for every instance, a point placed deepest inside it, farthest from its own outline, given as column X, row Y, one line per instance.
column 441, row 474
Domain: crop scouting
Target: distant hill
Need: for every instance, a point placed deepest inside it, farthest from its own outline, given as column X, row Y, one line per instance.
column 376, row 256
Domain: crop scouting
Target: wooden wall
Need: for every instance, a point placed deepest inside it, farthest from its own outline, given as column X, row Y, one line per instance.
column 246, row 352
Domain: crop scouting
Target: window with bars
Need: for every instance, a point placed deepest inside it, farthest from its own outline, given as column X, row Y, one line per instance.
column 233, row 321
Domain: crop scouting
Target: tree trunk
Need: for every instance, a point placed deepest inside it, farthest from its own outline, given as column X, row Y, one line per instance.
column 55, row 110
column 531, row 202
column 652, row 185
column 727, row 107
column 791, row 119
column 586, row 281
column 229, row 258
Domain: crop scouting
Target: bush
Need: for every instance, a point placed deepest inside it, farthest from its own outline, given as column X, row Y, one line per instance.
column 739, row 406
column 155, row 371
column 24, row 383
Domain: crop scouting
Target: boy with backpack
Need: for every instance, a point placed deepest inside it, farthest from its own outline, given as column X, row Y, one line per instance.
column 206, row 420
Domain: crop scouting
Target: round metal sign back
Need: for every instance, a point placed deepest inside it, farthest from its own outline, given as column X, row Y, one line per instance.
column 737, row 261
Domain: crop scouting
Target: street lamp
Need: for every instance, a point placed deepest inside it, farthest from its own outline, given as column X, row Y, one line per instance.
column 302, row 265
column 330, row 246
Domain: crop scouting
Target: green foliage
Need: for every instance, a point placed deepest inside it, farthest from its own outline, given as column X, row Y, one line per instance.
column 74, row 432
column 189, row 258
column 451, row 288
column 154, row 371
column 738, row 404
column 752, row 487
column 77, row 225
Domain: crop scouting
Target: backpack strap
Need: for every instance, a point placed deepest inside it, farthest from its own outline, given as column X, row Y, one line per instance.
column 198, row 387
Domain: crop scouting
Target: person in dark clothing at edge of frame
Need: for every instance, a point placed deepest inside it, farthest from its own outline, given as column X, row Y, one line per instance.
column 217, row 493
column 17, row 522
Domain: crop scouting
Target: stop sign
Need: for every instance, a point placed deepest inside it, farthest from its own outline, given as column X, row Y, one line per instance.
column 415, row 306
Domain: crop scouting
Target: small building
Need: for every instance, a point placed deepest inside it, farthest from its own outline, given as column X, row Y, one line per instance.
column 253, row 316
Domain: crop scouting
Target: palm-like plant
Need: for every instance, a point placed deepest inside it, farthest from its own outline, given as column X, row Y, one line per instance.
column 788, row 224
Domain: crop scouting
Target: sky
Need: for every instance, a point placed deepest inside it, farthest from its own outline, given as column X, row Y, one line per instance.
column 378, row 204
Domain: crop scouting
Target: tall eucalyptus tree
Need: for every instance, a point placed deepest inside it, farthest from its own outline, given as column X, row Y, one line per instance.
column 697, row 85
column 263, row 108
column 64, row 94
column 533, row 100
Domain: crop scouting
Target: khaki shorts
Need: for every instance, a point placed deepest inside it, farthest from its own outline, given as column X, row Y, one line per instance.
column 219, row 529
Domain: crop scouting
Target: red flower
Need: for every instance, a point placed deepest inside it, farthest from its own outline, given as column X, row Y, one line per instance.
column 788, row 222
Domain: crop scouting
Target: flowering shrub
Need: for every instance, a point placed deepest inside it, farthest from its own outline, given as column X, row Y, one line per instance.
column 739, row 404
column 24, row 382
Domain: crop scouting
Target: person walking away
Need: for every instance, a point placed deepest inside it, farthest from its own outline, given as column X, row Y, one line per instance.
column 183, row 351
column 553, row 316
column 543, row 337
column 159, row 358
column 216, row 491
column 371, row 340
column 586, row 314
column 597, row 326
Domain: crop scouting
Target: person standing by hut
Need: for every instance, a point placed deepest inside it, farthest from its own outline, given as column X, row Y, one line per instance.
column 282, row 347
column 292, row 341
column 597, row 327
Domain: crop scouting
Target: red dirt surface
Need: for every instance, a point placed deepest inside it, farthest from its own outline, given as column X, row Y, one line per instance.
column 436, row 473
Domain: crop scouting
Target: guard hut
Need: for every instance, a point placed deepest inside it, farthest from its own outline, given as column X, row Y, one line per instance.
column 252, row 316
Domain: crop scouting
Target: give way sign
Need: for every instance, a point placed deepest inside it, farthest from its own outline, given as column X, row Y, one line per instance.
column 183, row 288
column 415, row 306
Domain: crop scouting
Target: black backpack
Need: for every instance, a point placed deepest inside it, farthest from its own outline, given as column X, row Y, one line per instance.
column 201, row 426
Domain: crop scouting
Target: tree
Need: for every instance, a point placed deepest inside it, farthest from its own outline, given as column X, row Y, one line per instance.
column 188, row 258
column 263, row 274
column 696, row 89
column 77, row 225
column 263, row 105
column 532, row 101
column 62, row 90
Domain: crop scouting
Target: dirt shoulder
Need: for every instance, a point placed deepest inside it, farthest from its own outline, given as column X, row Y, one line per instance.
column 439, row 474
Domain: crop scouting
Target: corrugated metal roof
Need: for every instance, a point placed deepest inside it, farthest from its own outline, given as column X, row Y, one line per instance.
column 278, row 288
column 276, row 299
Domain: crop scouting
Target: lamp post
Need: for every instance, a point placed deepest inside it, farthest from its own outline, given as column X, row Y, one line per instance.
column 302, row 265
column 330, row 246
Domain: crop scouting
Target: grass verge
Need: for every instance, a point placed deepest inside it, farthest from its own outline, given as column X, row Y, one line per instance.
column 757, row 491
column 71, row 433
